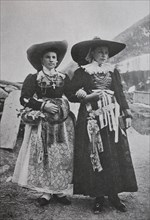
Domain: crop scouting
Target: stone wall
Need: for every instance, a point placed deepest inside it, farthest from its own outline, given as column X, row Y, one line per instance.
column 141, row 97
column 5, row 88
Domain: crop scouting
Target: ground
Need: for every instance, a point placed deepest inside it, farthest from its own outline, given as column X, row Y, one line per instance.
column 18, row 203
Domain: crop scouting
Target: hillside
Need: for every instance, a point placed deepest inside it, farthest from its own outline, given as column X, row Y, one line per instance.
column 137, row 39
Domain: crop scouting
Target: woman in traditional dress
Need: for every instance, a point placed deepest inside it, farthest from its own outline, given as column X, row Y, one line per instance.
column 102, row 160
column 45, row 160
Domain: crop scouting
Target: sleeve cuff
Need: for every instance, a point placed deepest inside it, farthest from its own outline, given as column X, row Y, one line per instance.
column 42, row 106
column 127, row 113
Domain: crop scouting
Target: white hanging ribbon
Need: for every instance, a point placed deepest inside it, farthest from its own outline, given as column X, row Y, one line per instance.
column 107, row 111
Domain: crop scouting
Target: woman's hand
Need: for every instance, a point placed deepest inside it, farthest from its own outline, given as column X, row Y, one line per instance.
column 51, row 108
column 128, row 122
column 81, row 94
column 128, row 115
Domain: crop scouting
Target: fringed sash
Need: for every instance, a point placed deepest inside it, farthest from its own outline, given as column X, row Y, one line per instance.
column 51, row 128
column 108, row 112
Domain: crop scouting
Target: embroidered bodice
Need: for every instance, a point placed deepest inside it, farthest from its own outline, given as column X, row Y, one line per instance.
column 100, row 75
column 53, row 82
column 101, row 80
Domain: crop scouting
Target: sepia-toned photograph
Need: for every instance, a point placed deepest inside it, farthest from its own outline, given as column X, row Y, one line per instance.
column 75, row 110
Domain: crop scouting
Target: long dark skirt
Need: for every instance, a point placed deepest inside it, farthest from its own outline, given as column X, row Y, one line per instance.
column 118, row 172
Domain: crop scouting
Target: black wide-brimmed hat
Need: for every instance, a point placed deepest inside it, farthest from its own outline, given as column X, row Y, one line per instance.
column 80, row 50
column 36, row 51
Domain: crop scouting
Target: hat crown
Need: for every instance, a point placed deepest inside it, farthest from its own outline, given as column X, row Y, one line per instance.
column 97, row 38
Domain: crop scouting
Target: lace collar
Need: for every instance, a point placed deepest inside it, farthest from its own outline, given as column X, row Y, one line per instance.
column 93, row 68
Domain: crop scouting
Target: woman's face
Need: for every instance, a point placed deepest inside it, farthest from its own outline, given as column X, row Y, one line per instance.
column 49, row 60
column 100, row 54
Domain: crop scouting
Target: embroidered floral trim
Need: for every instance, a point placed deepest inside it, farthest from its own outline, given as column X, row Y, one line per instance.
column 30, row 116
column 96, row 142
column 53, row 79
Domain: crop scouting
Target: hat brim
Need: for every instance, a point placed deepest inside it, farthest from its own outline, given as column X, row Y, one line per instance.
column 36, row 51
column 80, row 50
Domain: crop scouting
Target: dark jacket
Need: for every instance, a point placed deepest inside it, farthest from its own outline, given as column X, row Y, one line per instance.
column 118, row 172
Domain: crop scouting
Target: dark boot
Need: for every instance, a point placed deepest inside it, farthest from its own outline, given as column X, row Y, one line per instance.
column 116, row 202
column 43, row 201
column 63, row 200
column 98, row 205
